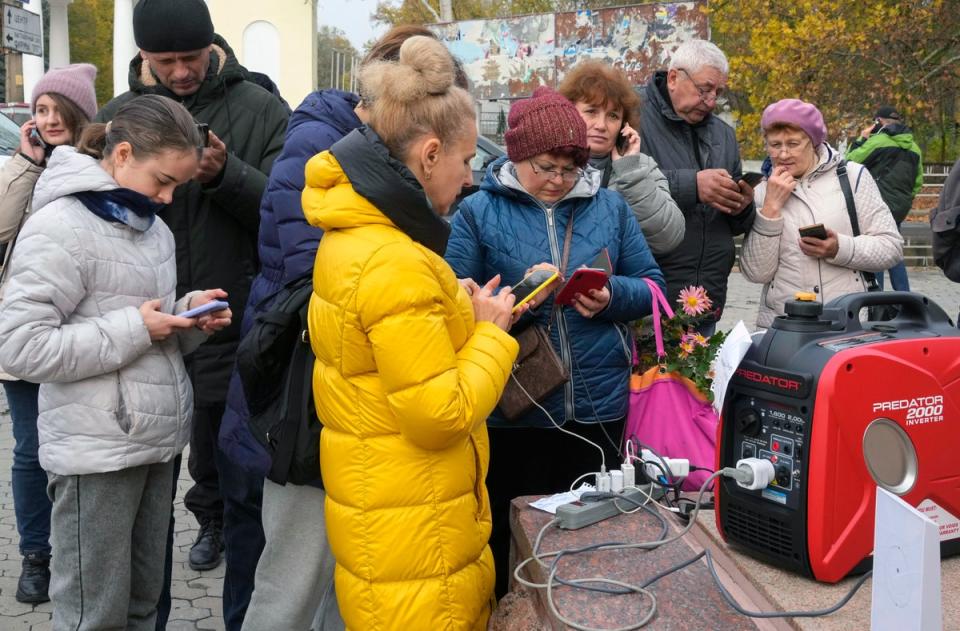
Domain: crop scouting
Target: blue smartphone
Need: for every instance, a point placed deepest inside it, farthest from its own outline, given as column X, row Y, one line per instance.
column 196, row 312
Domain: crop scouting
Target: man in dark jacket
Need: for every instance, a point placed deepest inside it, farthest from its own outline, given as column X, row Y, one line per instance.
column 698, row 154
column 889, row 152
column 945, row 222
column 214, row 218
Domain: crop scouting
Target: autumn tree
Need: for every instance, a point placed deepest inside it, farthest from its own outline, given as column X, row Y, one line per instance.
column 847, row 58
column 334, row 55
column 91, row 41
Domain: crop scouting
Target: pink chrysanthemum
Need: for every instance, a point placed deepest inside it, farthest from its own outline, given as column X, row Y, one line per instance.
column 700, row 339
column 686, row 348
column 694, row 301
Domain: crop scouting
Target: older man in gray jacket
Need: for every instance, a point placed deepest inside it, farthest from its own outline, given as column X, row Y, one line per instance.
column 698, row 154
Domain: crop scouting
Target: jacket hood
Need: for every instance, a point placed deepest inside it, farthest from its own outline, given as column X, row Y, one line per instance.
column 900, row 134
column 224, row 70
column 69, row 172
column 330, row 107
column 501, row 179
column 363, row 184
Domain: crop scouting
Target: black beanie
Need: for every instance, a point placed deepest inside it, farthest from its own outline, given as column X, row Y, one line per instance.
column 172, row 26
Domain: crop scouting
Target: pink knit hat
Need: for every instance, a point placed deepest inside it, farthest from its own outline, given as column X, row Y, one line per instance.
column 74, row 82
column 799, row 114
column 544, row 123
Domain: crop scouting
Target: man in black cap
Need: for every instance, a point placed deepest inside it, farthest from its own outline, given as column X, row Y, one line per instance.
column 215, row 220
column 889, row 152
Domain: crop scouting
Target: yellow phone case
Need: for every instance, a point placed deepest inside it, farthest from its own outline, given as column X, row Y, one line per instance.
column 536, row 291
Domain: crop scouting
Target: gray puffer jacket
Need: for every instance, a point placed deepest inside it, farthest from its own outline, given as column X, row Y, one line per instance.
column 645, row 188
column 110, row 398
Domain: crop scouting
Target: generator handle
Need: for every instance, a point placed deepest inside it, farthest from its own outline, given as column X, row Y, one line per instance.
column 916, row 309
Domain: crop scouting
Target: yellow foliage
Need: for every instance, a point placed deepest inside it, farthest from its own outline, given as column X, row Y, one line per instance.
column 845, row 57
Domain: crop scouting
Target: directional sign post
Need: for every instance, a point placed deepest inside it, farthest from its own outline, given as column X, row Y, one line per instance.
column 22, row 31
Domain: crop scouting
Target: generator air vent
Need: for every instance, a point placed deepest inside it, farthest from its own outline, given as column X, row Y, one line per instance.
column 762, row 532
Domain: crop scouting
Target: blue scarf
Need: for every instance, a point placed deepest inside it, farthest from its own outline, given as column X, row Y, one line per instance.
column 121, row 205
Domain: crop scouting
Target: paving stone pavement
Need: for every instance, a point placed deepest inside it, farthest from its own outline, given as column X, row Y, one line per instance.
column 197, row 595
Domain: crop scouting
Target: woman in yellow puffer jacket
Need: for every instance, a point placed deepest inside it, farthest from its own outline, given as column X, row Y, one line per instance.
column 409, row 363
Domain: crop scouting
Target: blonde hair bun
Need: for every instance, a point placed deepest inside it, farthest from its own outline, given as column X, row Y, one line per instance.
column 424, row 68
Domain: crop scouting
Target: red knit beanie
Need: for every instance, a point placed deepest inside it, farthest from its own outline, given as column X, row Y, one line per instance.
column 544, row 123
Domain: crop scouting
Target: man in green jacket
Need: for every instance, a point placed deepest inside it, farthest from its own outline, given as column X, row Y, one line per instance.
column 889, row 152
column 215, row 220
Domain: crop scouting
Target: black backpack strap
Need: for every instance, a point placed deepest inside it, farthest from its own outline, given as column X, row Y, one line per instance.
column 869, row 277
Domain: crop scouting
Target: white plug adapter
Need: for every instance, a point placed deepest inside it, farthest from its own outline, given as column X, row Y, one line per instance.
column 754, row 474
column 678, row 467
column 616, row 480
column 629, row 475
column 603, row 482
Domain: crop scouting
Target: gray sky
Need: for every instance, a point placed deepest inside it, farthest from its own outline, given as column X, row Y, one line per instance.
column 353, row 17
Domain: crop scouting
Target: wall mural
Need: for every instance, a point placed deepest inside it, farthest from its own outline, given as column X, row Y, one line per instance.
column 511, row 57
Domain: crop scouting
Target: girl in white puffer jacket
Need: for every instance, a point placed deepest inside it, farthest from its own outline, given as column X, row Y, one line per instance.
column 87, row 313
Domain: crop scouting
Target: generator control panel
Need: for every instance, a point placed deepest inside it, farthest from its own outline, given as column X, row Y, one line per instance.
column 776, row 432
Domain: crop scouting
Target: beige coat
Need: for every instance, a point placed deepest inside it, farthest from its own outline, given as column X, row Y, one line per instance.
column 17, row 179
column 771, row 251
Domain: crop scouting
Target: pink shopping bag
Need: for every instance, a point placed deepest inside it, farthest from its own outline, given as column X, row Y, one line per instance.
column 668, row 414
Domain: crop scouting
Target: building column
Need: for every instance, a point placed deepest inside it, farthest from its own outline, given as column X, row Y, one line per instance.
column 124, row 45
column 59, row 33
column 32, row 64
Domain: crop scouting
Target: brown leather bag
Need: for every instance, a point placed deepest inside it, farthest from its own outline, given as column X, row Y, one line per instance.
column 538, row 371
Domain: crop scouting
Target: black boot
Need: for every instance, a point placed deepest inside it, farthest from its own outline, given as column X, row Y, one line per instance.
column 206, row 550
column 34, row 579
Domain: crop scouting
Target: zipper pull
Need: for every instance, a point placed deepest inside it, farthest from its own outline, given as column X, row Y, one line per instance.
column 550, row 217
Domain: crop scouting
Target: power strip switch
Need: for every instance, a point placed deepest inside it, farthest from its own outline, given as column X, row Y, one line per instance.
column 581, row 514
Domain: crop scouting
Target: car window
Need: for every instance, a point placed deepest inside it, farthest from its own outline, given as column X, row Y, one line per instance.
column 482, row 159
column 9, row 136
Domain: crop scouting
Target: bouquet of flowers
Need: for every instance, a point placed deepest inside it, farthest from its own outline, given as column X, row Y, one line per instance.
column 686, row 352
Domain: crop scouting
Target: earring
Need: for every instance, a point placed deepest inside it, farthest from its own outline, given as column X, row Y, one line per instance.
column 427, row 175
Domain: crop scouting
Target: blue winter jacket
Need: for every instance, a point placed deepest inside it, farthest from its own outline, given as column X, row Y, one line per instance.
column 287, row 244
column 504, row 230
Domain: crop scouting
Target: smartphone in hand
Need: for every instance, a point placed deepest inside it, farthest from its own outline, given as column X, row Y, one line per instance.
column 36, row 140
column 752, row 179
column 209, row 307
column 204, row 130
column 816, row 231
column 531, row 285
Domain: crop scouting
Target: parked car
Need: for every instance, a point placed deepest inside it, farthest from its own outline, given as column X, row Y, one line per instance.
column 487, row 152
column 9, row 138
column 19, row 113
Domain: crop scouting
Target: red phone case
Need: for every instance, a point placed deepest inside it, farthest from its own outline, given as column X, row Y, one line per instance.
column 581, row 282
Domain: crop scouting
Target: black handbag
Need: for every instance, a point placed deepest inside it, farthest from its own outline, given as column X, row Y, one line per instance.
column 539, row 371
column 275, row 363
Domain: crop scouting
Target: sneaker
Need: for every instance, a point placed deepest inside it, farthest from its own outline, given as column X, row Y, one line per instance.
column 208, row 548
column 34, row 579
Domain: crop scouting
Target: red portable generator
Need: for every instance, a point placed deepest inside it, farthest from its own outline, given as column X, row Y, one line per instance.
column 840, row 406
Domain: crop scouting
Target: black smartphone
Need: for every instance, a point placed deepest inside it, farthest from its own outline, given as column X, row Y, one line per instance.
column 817, row 231
column 204, row 130
column 752, row 179
column 622, row 141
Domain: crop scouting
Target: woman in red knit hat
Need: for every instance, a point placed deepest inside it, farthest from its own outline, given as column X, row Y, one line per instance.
column 528, row 204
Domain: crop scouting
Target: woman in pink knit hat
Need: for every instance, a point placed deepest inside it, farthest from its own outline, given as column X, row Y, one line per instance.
column 804, row 191
column 63, row 102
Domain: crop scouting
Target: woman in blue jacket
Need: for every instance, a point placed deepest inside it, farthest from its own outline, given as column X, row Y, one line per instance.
column 517, row 221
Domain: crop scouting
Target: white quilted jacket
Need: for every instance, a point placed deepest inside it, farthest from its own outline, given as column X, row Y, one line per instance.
column 771, row 250
column 109, row 398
